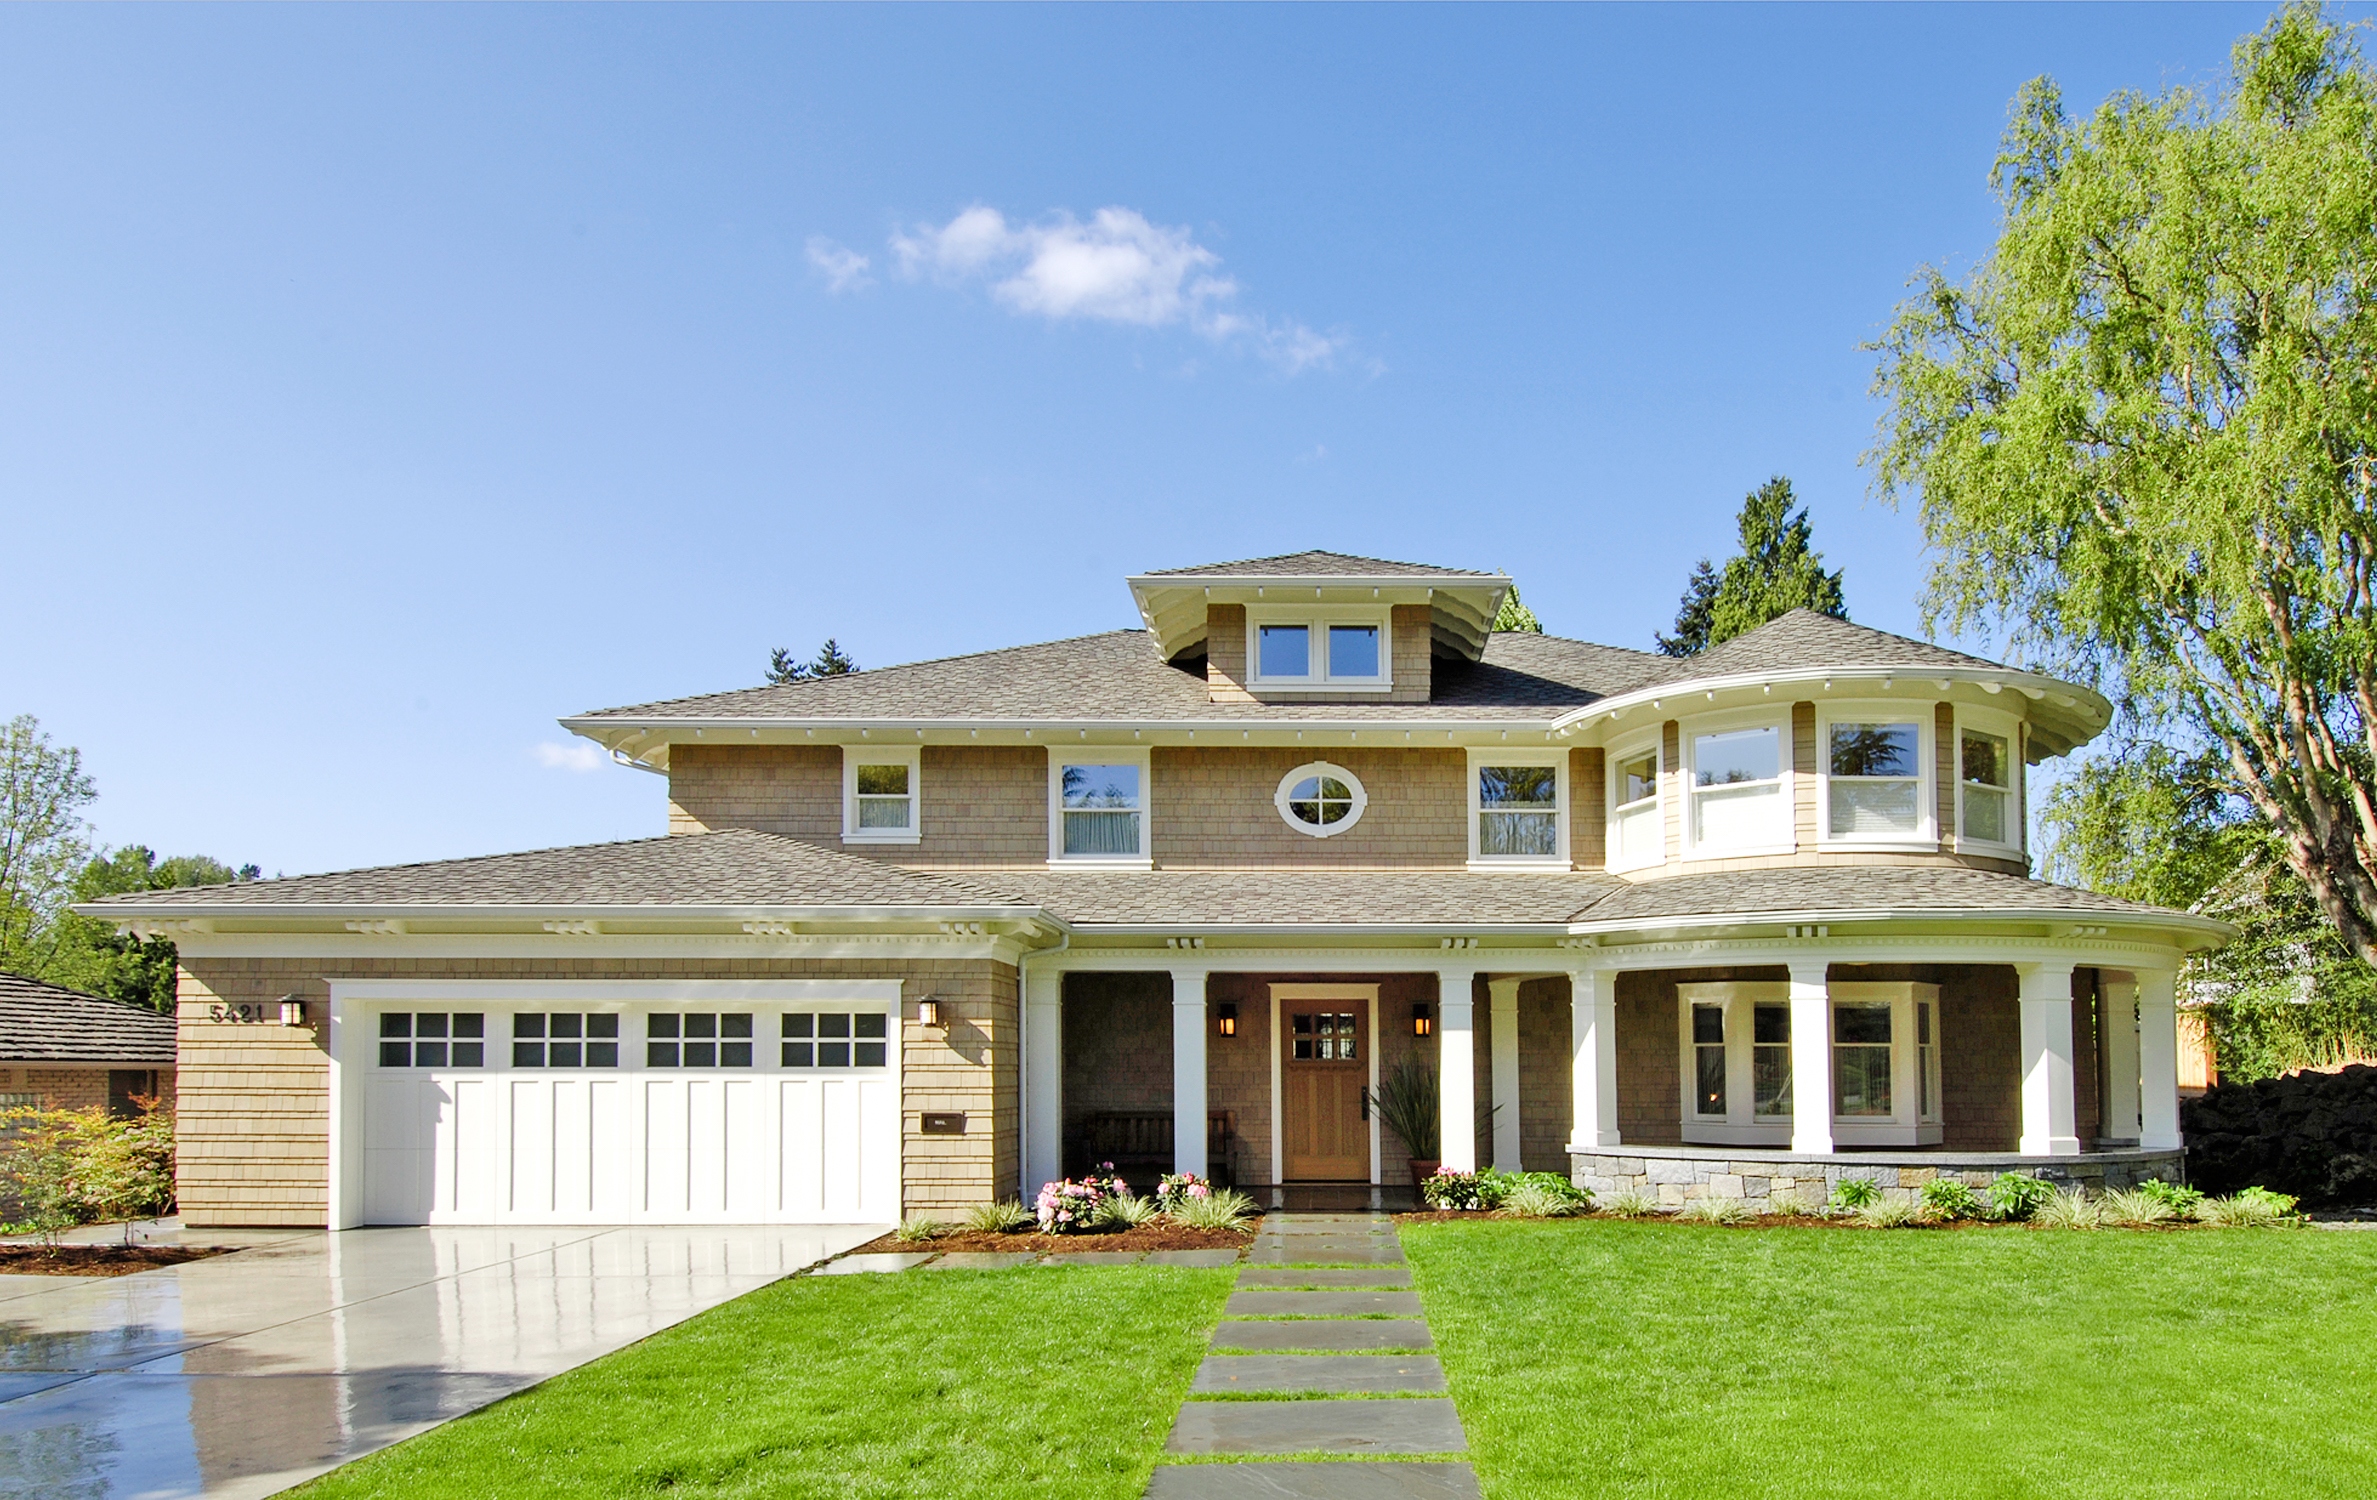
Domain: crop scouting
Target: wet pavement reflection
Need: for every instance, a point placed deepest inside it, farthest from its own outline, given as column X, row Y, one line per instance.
column 246, row 1373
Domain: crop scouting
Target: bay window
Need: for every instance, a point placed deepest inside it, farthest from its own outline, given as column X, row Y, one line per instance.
column 1873, row 786
column 1518, row 808
column 1734, row 1041
column 1097, row 807
column 1738, row 797
column 1885, row 1064
column 1322, row 651
column 1637, row 833
column 1737, row 1069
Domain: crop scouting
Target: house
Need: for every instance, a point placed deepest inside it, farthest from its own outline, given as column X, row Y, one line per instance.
column 925, row 936
column 63, row 1048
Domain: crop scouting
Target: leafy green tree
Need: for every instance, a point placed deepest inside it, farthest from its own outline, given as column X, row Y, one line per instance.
column 828, row 662
column 2143, row 430
column 85, row 953
column 1776, row 572
column 43, row 838
column 2146, row 822
column 1516, row 616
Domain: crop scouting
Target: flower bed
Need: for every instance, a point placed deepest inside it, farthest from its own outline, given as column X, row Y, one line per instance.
column 1160, row 1235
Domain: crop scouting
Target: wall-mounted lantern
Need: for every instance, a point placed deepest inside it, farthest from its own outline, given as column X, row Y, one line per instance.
column 1225, row 1018
column 1422, row 1023
column 928, row 1012
column 292, row 1011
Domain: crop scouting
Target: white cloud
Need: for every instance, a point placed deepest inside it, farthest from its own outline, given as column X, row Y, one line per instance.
column 845, row 269
column 1117, row 268
column 572, row 755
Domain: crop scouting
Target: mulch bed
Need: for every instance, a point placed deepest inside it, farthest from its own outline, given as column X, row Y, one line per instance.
column 1145, row 1237
column 1763, row 1221
column 97, row 1260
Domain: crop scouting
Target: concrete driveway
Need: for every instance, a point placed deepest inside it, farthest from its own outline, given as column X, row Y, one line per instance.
column 249, row 1372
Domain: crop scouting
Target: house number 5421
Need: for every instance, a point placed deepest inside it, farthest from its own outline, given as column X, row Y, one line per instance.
column 243, row 1011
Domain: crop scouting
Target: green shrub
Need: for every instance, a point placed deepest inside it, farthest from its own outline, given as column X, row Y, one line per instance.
column 1537, row 1200
column 1952, row 1198
column 1495, row 1187
column 1890, row 1213
column 82, row 1166
column 1807, row 1204
column 1630, row 1204
column 2178, row 1197
column 1453, row 1190
column 1716, row 1211
column 998, row 1218
column 1223, row 1208
column 2135, row 1208
column 917, row 1228
column 2071, row 1209
column 1127, row 1211
column 2253, row 1208
column 2017, row 1195
column 1856, row 1192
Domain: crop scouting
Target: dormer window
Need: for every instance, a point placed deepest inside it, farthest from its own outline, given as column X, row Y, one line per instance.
column 1329, row 650
column 1097, row 809
column 879, row 795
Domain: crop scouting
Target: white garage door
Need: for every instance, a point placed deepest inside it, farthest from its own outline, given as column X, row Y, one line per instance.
column 630, row 1115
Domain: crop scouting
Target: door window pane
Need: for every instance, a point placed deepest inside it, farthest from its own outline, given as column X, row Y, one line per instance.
column 1283, row 651
column 698, row 1039
column 834, row 1039
column 565, row 1039
column 433, row 1039
column 1353, row 651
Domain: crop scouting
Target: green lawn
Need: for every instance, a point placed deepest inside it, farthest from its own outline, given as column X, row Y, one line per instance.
column 1601, row 1357
column 1057, row 1382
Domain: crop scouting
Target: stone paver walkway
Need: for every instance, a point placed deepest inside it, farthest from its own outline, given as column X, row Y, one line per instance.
column 1324, row 1316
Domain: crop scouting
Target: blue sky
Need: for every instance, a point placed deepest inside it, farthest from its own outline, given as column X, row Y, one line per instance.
column 383, row 383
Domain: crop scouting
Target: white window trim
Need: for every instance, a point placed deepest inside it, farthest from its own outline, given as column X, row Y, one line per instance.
column 1687, row 739
column 1921, row 715
column 1739, row 1126
column 1480, row 757
column 1905, row 1125
column 1361, row 803
column 1060, row 757
column 1318, row 621
column 1613, row 760
column 854, row 756
column 2008, row 728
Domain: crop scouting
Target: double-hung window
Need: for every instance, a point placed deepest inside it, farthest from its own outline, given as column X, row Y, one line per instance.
column 880, row 795
column 1098, row 807
column 1330, row 650
column 1637, row 833
column 1885, row 1044
column 1991, row 809
column 1518, row 808
column 1738, row 795
column 1874, row 784
column 1737, row 1062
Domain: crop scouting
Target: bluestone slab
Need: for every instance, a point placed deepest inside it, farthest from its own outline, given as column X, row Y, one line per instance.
column 982, row 1260
column 1300, row 1251
column 859, row 1265
column 1333, row 1336
column 1325, row 1374
column 1193, row 1258
column 1342, row 1276
column 1313, row 1482
column 1420, row 1425
column 1359, row 1303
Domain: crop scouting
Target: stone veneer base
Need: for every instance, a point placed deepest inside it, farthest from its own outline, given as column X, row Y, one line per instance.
column 1678, row 1174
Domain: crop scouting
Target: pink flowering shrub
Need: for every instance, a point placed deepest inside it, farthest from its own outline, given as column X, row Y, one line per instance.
column 1070, row 1207
column 1179, row 1187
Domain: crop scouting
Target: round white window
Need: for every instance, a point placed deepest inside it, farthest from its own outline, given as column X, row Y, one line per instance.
column 1321, row 800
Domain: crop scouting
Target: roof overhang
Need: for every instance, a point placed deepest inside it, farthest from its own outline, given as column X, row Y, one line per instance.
column 1462, row 605
column 2062, row 715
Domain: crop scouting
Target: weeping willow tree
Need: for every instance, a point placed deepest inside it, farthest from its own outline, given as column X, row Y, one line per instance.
column 2142, row 431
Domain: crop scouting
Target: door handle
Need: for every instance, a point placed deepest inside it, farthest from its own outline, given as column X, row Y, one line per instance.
column 1365, row 1105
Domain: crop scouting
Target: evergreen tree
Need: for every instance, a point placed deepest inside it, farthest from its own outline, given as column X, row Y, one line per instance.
column 1776, row 572
column 1516, row 616
column 828, row 662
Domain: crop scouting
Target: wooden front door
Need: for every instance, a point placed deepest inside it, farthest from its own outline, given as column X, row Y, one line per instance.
column 1324, row 1057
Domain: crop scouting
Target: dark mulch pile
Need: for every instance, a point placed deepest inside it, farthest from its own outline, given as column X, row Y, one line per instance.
column 1145, row 1237
column 97, row 1260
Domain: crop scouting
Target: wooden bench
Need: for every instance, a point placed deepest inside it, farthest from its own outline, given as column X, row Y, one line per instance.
column 1139, row 1143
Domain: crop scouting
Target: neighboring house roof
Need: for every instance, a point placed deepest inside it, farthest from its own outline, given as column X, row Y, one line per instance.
column 1852, row 889
column 1117, row 676
column 740, row 869
column 735, row 867
column 51, row 1024
column 1318, row 565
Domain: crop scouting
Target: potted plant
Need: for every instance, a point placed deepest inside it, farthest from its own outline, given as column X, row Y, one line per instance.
column 1406, row 1104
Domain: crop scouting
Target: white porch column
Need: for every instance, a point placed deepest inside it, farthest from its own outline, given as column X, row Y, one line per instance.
column 1188, row 1071
column 1043, row 1079
column 1503, row 1004
column 1593, row 1059
column 1811, row 1057
column 2117, row 1014
column 2050, row 1112
column 1456, row 1067
column 2158, row 1060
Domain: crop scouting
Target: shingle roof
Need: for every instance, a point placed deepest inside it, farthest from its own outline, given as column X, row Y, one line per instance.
column 45, row 1023
column 1850, row 888
column 1305, row 897
column 735, row 867
column 1318, row 565
column 1117, row 676
column 1804, row 638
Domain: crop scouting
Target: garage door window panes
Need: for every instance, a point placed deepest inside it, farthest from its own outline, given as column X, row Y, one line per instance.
column 565, row 1039
column 698, row 1039
column 433, row 1039
column 835, row 1039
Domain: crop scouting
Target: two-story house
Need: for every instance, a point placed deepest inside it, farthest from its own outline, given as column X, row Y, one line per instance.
column 929, row 935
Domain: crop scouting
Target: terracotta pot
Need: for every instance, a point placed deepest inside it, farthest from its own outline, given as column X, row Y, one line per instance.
column 1421, row 1171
